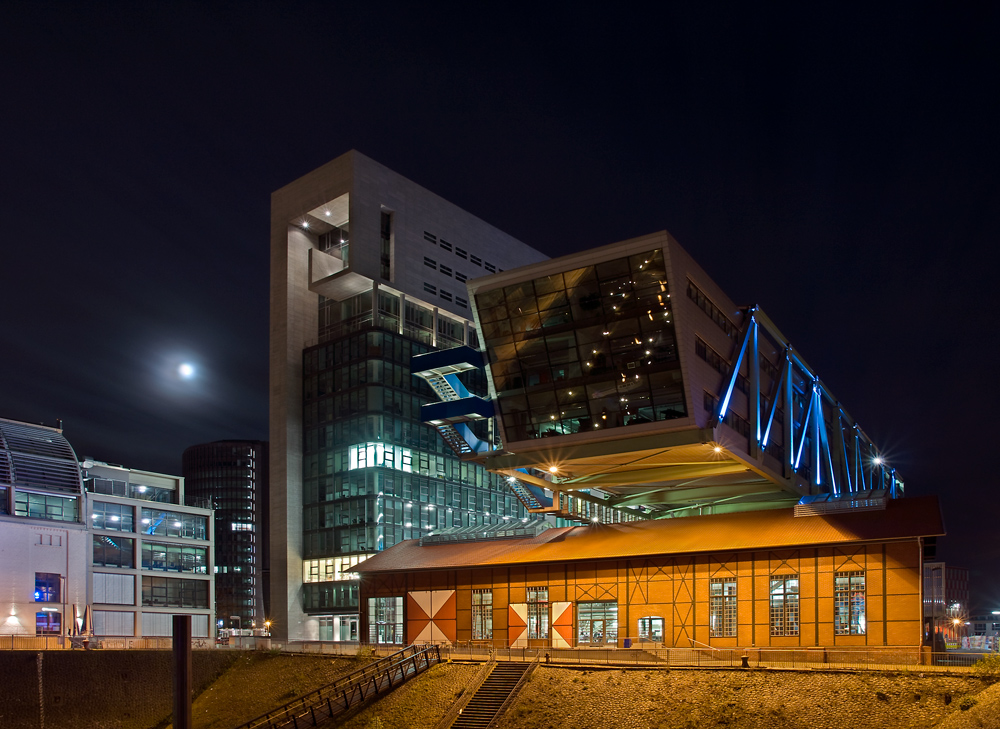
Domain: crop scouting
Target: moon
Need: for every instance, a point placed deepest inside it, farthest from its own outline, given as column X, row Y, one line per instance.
column 186, row 370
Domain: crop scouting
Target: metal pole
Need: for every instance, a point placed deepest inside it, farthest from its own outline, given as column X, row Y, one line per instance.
column 182, row 672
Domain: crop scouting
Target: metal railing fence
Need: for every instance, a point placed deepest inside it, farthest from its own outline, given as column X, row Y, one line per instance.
column 349, row 690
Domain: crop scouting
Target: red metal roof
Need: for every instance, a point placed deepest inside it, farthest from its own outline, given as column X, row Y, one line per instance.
column 773, row 529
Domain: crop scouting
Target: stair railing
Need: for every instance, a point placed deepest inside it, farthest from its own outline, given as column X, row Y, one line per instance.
column 474, row 685
column 516, row 690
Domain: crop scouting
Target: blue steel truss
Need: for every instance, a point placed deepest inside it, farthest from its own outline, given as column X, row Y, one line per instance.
column 823, row 444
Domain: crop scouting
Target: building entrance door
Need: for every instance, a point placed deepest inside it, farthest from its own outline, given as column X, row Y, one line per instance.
column 597, row 623
column 349, row 628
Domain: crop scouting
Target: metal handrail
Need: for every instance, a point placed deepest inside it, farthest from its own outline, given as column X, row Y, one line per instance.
column 474, row 685
column 307, row 703
column 514, row 691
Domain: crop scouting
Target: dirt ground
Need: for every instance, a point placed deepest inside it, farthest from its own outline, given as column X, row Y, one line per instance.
column 641, row 699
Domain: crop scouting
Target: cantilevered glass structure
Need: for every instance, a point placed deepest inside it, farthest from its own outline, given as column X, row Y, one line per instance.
column 627, row 385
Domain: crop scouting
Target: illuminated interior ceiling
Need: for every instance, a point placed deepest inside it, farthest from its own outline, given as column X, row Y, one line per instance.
column 660, row 478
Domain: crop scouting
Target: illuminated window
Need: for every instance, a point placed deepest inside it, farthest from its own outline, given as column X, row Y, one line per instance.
column 380, row 455
column 482, row 614
column 849, row 603
column 48, row 623
column 651, row 628
column 47, row 587
column 538, row 612
column 785, row 605
column 385, row 620
column 597, row 622
column 332, row 569
column 722, row 607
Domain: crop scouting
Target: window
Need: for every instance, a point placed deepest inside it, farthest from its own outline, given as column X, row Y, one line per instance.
column 651, row 629
column 430, row 262
column 597, row 622
column 482, row 614
column 112, row 517
column 430, row 238
column 461, row 302
column 48, row 623
column 445, row 244
column 45, row 506
column 174, row 558
column 446, row 295
column 490, row 267
column 476, row 260
column 461, row 252
column 722, row 607
column 461, row 276
column 785, row 605
column 385, row 620
column 114, row 551
column 849, row 603
column 174, row 524
column 386, row 246
column 713, row 311
column 380, row 455
column 538, row 612
column 430, row 288
column 174, row 592
column 47, row 587
column 446, row 270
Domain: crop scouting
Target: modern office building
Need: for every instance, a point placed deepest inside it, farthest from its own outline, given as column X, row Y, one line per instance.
column 150, row 553
column 367, row 270
column 43, row 539
column 232, row 475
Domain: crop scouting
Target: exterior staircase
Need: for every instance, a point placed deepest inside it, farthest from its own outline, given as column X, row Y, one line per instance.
column 491, row 697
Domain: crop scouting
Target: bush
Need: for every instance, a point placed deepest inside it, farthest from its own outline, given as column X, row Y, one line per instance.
column 988, row 667
column 966, row 703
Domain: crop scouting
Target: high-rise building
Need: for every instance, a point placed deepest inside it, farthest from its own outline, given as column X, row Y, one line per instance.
column 367, row 269
column 233, row 476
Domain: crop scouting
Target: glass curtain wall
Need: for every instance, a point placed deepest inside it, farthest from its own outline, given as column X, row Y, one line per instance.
column 593, row 348
column 374, row 472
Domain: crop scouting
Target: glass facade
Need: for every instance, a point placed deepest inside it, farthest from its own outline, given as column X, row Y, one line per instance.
column 374, row 473
column 592, row 348
column 233, row 476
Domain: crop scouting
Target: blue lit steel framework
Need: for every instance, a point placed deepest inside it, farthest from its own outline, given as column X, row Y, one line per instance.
column 825, row 455
column 841, row 458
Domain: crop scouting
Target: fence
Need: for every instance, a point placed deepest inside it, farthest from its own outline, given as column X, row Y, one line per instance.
column 640, row 654
column 328, row 701
column 706, row 657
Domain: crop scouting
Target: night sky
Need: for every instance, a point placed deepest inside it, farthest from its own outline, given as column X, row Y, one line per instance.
column 835, row 166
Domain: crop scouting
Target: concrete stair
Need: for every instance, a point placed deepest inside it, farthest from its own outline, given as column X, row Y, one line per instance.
column 483, row 708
